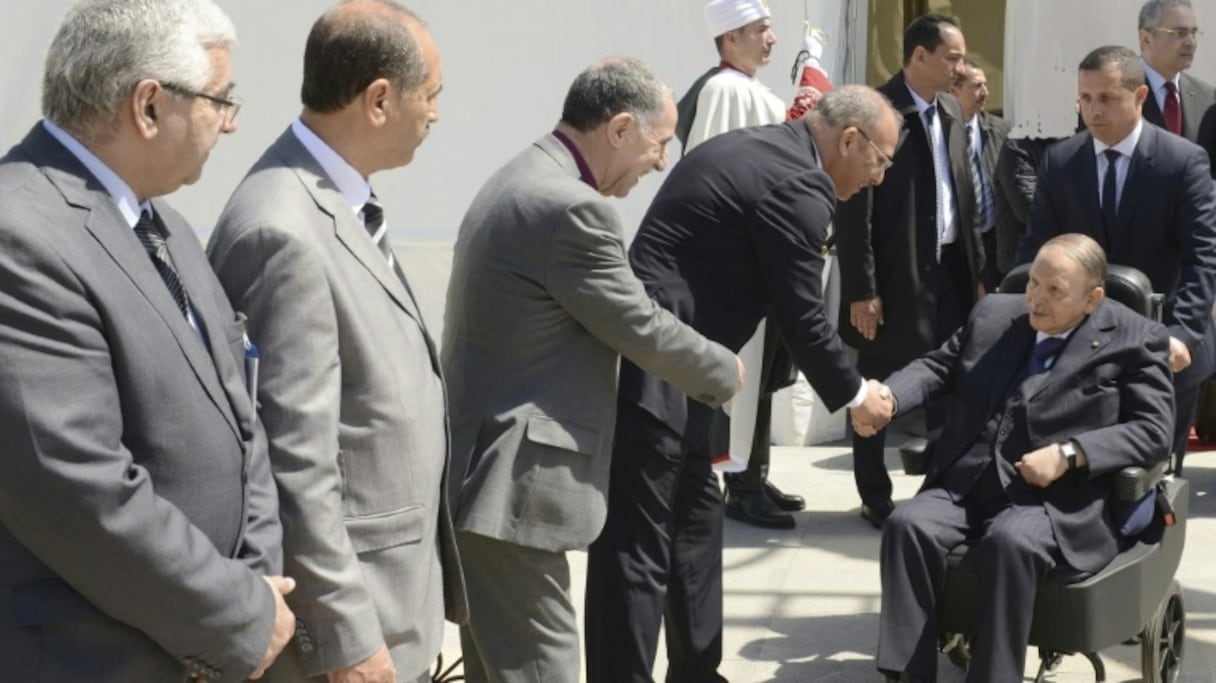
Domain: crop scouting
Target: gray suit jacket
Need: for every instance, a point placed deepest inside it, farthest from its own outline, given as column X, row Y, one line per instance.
column 354, row 408
column 541, row 306
column 1198, row 100
column 136, row 505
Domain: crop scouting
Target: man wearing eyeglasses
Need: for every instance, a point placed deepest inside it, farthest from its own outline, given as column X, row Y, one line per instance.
column 910, row 251
column 737, row 230
column 138, row 517
column 351, row 393
column 1177, row 101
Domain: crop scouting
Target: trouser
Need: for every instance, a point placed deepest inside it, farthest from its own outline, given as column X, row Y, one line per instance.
column 774, row 373
column 1186, row 399
column 1016, row 548
column 869, row 468
column 992, row 272
column 658, row 560
column 522, row 626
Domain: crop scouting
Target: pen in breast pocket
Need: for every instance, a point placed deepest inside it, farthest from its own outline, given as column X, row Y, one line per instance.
column 251, row 363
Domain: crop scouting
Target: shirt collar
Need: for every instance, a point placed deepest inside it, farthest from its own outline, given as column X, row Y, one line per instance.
column 120, row 193
column 353, row 186
column 921, row 104
column 1040, row 336
column 1156, row 82
column 584, row 171
column 1125, row 146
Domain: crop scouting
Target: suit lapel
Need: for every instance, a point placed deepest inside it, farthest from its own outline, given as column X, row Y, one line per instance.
column 1139, row 172
column 196, row 276
column 107, row 225
column 1014, row 348
column 1084, row 176
column 1090, row 336
column 1151, row 112
column 1192, row 107
column 347, row 228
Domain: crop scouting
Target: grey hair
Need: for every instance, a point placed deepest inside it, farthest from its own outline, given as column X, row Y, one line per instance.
column 1151, row 11
column 104, row 48
column 1086, row 252
column 853, row 105
column 612, row 86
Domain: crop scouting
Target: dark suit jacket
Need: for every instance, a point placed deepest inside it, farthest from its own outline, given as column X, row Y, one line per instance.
column 737, row 227
column 1109, row 390
column 1198, row 100
column 136, row 505
column 1014, row 181
column 887, row 235
column 1166, row 226
column 994, row 131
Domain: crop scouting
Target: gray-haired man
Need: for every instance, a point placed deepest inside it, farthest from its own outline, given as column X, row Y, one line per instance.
column 137, row 513
column 541, row 307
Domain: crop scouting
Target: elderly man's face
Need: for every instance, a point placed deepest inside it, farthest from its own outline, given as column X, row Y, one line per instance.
column 645, row 150
column 189, row 126
column 866, row 155
column 1169, row 47
column 1059, row 293
column 1109, row 109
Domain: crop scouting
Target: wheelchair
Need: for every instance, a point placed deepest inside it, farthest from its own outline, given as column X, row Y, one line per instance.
column 1133, row 599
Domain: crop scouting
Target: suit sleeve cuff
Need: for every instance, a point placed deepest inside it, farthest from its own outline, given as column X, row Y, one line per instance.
column 860, row 397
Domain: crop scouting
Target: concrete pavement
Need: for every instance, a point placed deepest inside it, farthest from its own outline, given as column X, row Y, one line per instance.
column 802, row 605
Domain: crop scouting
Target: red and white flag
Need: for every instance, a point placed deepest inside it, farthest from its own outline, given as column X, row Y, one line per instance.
column 808, row 73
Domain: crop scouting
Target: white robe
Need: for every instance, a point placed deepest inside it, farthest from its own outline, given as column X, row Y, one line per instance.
column 730, row 100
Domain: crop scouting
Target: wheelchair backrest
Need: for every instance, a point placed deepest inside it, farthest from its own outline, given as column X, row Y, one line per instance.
column 1124, row 284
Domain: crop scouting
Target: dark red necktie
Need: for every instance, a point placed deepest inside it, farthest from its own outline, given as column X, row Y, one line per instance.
column 1173, row 114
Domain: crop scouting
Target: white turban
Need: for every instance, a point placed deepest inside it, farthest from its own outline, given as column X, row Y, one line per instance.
column 727, row 15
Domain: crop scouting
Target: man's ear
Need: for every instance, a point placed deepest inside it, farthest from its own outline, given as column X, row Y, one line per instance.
column 143, row 103
column 1141, row 94
column 375, row 101
column 618, row 129
column 1096, row 295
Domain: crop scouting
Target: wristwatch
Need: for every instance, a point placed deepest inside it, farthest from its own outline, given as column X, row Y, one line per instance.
column 1068, row 449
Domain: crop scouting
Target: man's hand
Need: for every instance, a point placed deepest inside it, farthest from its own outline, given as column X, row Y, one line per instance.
column 866, row 316
column 875, row 411
column 375, row 669
column 1180, row 355
column 741, row 376
column 1042, row 466
column 284, row 623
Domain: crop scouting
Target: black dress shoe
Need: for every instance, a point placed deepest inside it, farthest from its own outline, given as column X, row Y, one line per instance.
column 756, row 509
column 877, row 515
column 785, row 501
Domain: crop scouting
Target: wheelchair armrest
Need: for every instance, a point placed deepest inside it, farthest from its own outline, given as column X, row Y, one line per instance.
column 1133, row 483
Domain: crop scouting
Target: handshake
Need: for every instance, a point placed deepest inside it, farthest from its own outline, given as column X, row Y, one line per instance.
column 876, row 411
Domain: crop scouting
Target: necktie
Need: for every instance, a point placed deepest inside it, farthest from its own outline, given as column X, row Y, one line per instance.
column 373, row 221
column 153, row 239
column 983, row 191
column 1172, row 113
column 940, row 226
column 1110, row 202
column 1044, row 351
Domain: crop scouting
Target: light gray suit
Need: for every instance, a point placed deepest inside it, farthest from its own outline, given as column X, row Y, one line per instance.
column 354, row 407
column 136, row 505
column 541, row 306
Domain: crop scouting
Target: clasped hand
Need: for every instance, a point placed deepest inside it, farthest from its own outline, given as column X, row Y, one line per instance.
column 875, row 411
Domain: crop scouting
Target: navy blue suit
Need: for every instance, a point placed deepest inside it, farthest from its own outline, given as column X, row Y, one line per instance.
column 1165, row 227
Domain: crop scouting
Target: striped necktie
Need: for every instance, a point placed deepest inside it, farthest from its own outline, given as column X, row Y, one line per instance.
column 373, row 221
column 153, row 239
column 983, row 190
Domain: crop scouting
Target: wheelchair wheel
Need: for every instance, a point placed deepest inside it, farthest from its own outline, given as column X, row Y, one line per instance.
column 1161, row 646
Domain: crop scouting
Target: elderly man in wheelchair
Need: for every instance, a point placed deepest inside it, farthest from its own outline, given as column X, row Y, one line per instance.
column 1052, row 395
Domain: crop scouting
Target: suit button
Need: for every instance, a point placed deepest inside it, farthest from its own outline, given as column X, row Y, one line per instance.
column 305, row 647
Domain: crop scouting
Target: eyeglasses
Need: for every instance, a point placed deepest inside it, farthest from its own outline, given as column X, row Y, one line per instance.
column 885, row 160
column 232, row 104
column 1180, row 33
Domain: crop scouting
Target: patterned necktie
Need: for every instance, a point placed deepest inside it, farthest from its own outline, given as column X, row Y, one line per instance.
column 373, row 221
column 1110, row 194
column 1172, row 114
column 1044, row 351
column 983, row 191
column 154, row 243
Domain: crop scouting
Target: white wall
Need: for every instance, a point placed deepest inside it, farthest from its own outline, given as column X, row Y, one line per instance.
column 506, row 69
column 1045, row 40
